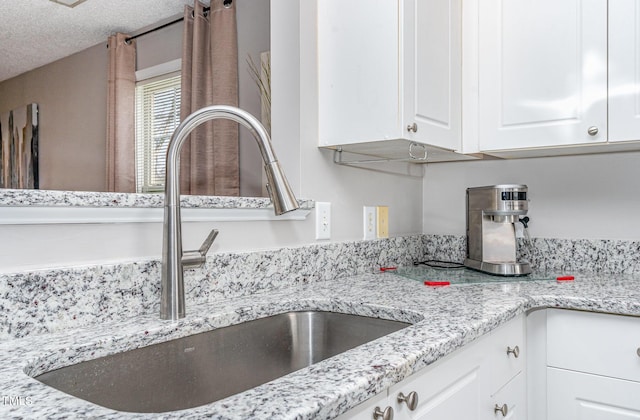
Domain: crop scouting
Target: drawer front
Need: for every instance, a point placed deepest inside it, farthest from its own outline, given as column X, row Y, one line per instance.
column 577, row 395
column 451, row 388
column 501, row 348
column 514, row 396
column 596, row 343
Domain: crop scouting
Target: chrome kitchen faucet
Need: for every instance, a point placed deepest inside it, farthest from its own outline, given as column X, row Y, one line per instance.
column 174, row 261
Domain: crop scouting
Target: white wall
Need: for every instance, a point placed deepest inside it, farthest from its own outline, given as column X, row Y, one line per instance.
column 572, row 197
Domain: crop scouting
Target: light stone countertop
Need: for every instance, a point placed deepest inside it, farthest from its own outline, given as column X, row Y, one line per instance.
column 54, row 198
column 444, row 319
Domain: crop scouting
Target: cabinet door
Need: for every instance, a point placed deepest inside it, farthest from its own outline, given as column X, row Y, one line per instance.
column 358, row 71
column 596, row 343
column 624, row 70
column 575, row 395
column 432, row 71
column 542, row 73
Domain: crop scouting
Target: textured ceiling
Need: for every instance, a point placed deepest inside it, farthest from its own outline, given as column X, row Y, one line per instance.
column 37, row 32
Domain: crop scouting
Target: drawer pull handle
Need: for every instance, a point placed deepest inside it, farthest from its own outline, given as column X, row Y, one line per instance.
column 411, row 400
column 387, row 414
column 504, row 410
column 515, row 351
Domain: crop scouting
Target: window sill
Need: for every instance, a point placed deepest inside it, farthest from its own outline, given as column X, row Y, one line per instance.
column 21, row 207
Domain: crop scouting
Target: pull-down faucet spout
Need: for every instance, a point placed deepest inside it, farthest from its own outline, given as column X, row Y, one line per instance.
column 172, row 304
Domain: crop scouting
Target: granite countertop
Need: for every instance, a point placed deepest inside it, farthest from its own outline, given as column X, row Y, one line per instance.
column 444, row 319
column 43, row 198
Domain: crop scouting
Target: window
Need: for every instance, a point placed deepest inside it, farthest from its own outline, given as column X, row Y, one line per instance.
column 157, row 116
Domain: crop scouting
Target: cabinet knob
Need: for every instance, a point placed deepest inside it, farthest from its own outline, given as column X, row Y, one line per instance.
column 411, row 400
column 412, row 127
column 387, row 414
column 504, row 410
column 515, row 351
column 593, row 130
column 638, row 352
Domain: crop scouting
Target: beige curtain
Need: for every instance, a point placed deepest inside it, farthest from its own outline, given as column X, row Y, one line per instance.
column 209, row 160
column 121, row 168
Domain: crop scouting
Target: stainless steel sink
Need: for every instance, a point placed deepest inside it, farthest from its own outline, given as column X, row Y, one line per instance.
column 207, row 367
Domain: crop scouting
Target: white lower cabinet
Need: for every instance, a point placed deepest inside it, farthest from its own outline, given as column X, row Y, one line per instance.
column 485, row 380
column 577, row 395
column 578, row 366
column 590, row 369
column 596, row 343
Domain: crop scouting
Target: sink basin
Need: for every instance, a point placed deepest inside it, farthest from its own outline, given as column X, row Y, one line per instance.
column 203, row 368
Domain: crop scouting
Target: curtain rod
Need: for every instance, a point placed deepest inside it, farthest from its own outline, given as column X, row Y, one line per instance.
column 131, row 38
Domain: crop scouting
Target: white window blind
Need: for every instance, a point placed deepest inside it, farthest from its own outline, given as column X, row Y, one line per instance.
column 157, row 116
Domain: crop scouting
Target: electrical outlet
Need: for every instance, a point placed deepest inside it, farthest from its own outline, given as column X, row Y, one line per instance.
column 323, row 220
column 382, row 215
column 369, row 222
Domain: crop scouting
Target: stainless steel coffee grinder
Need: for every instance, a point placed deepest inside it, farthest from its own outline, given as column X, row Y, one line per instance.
column 492, row 212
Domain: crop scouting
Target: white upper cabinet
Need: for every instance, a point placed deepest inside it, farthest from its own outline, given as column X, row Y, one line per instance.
column 542, row 73
column 624, row 70
column 552, row 74
column 358, row 71
column 432, row 71
column 509, row 78
column 389, row 70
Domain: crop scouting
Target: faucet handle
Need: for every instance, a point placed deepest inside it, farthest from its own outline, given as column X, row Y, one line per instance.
column 204, row 248
column 192, row 259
